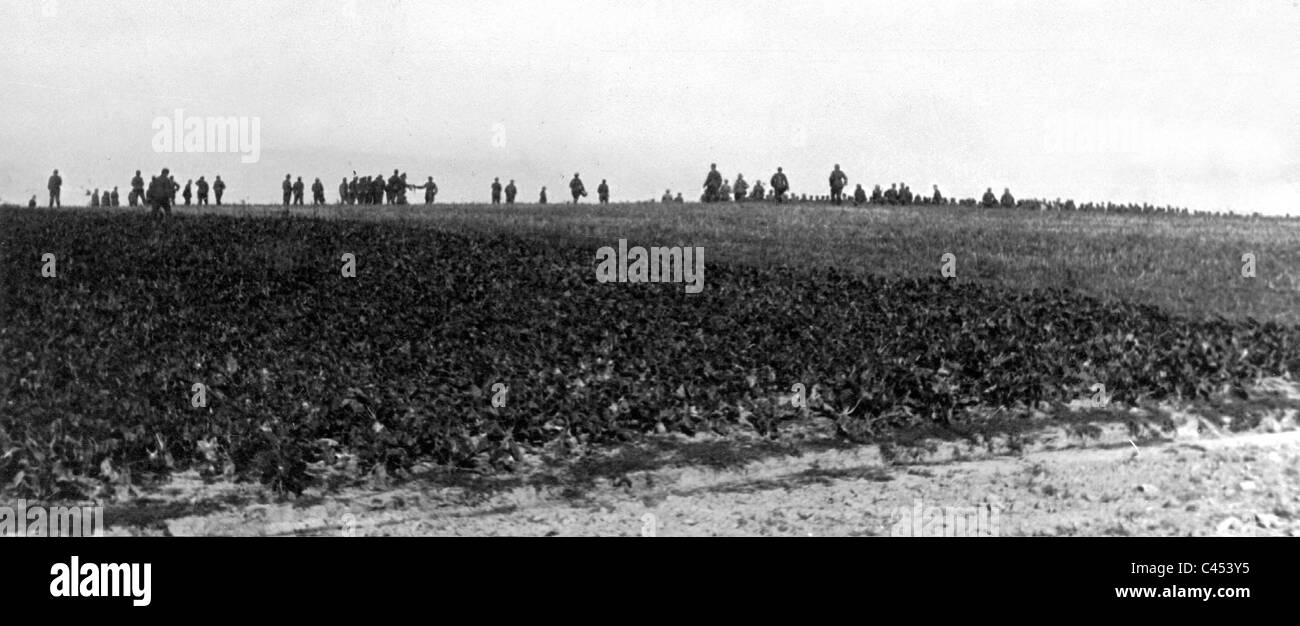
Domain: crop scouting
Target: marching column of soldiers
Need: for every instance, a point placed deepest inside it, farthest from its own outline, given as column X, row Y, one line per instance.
column 160, row 194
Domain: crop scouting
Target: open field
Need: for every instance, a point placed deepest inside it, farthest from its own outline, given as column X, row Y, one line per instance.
column 313, row 378
column 1186, row 265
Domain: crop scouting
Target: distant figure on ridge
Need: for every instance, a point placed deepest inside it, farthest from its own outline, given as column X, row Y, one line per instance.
column 780, row 184
column 137, row 190
column 55, row 184
column 430, row 190
column 159, row 195
column 989, row 200
column 838, row 181
column 577, row 189
column 712, row 183
column 317, row 193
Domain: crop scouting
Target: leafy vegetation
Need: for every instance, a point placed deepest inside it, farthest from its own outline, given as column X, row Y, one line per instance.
column 305, row 368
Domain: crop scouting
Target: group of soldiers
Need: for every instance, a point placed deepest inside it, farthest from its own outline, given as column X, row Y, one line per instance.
column 160, row 195
column 365, row 190
column 719, row 189
column 576, row 188
column 162, row 191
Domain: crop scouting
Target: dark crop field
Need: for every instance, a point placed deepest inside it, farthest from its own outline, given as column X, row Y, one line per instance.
column 1184, row 264
column 305, row 369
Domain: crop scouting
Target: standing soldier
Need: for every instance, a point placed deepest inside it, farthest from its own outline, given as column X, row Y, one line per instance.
column 31, row 204
column 430, row 190
column 401, row 190
column 317, row 193
column 343, row 191
column 541, row 199
column 780, row 184
column 160, row 194
column 668, row 196
column 94, row 198
column 758, row 193
column 877, row 196
column 891, row 195
column 352, row 189
column 679, row 199
column 838, row 181
column 1008, row 202
column 741, row 188
column 287, row 187
column 712, row 183
column 298, row 189
column 496, row 190
column 576, row 188
column 511, row 190
column 938, row 197
column 602, row 192
column 202, row 188
column 724, row 193
column 55, row 184
column 394, row 186
column 377, row 187
column 137, row 190
column 904, row 194
column 116, row 200
column 189, row 192
column 859, row 195
column 989, row 200
column 218, row 188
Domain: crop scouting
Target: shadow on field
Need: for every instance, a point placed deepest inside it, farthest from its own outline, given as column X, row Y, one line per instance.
column 633, row 465
column 154, row 513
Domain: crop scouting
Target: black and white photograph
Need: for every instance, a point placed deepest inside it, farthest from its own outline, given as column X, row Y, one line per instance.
column 906, row 270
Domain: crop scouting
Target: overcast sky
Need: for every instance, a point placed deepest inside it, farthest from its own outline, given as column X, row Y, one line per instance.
column 1194, row 103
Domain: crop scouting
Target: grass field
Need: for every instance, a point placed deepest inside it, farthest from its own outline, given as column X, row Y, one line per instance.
column 308, row 371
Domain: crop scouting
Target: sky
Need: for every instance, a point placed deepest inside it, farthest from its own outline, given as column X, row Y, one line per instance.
column 1192, row 103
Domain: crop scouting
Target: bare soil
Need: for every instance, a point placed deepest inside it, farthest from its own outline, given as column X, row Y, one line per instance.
column 1113, row 472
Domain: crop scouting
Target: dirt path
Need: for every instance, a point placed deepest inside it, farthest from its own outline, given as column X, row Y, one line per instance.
column 1192, row 479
